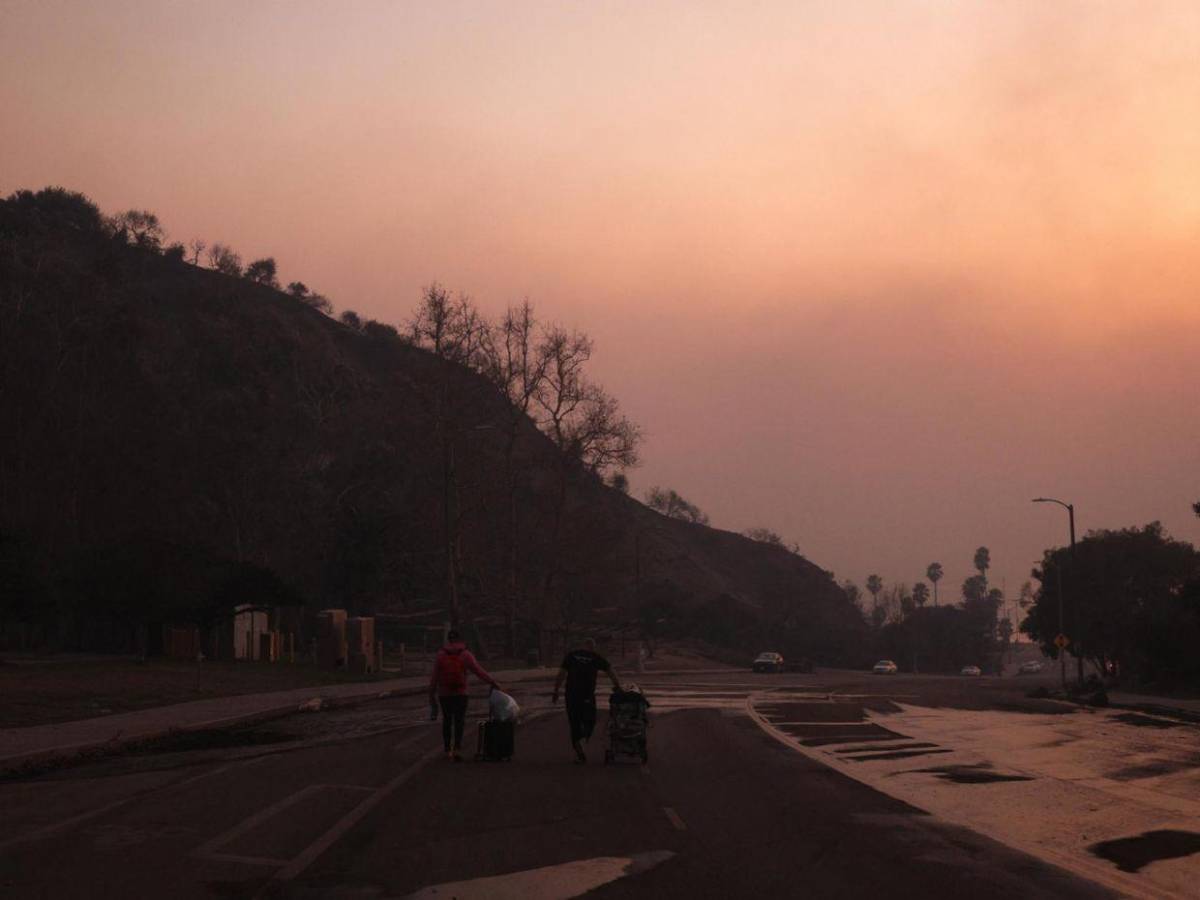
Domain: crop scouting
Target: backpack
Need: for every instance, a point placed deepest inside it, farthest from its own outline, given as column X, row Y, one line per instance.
column 452, row 672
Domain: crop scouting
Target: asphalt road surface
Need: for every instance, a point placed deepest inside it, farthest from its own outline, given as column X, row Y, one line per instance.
column 358, row 803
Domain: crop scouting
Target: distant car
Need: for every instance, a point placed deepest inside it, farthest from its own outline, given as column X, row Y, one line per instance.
column 885, row 667
column 768, row 662
column 1030, row 668
column 973, row 671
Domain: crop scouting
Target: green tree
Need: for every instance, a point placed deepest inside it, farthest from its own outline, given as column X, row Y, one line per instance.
column 934, row 574
column 1142, row 613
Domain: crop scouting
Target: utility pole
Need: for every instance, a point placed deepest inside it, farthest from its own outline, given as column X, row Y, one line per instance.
column 1070, row 508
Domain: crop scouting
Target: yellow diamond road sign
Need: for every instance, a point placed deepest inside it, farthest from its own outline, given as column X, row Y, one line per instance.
column 1061, row 642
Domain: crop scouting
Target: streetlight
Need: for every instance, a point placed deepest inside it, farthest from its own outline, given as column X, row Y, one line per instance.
column 1070, row 508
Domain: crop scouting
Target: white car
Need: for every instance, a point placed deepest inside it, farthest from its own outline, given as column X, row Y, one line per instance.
column 973, row 671
column 768, row 662
column 885, row 667
column 1032, row 667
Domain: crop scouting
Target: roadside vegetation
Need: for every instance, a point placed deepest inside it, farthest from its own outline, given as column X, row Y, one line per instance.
column 182, row 433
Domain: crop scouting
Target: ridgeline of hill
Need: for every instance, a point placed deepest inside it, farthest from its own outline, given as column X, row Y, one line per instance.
column 174, row 440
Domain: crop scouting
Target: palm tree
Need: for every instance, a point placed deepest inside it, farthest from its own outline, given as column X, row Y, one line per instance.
column 874, row 585
column 920, row 593
column 983, row 561
column 934, row 574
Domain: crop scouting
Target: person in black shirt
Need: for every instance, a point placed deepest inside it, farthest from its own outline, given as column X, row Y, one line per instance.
column 579, row 669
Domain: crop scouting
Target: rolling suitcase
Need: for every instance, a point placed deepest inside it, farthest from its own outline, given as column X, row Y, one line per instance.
column 495, row 741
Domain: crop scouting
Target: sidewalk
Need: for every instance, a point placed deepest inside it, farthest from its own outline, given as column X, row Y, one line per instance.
column 19, row 746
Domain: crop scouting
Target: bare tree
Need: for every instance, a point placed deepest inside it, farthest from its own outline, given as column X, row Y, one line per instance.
column 197, row 247
column 449, row 326
column 581, row 419
column 583, row 422
column 224, row 260
column 514, row 363
column 453, row 329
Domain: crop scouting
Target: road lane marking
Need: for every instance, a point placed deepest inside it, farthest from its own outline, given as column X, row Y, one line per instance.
column 209, row 847
column 50, row 830
column 559, row 882
column 314, row 850
column 674, row 819
column 246, row 860
column 788, row 724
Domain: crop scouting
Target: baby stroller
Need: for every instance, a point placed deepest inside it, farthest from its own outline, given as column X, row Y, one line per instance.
column 627, row 723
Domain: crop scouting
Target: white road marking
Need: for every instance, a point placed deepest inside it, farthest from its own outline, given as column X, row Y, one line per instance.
column 209, row 847
column 826, row 724
column 246, row 860
column 314, row 850
column 50, row 830
column 674, row 819
column 559, row 882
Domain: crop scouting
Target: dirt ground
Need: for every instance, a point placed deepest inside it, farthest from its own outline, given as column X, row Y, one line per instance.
column 42, row 692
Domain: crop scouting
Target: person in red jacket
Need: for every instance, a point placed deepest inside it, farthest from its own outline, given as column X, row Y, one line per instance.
column 448, row 686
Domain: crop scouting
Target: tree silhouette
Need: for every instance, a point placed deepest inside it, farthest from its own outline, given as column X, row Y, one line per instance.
column 934, row 573
column 262, row 271
column 874, row 586
column 224, row 260
column 983, row 561
column 673, row 506
column 920, row 593
column 140, row 227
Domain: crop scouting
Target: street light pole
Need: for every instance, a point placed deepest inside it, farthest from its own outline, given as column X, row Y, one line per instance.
column 1070, row 508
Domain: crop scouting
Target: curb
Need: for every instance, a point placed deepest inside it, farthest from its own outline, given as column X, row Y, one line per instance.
column 34, row 761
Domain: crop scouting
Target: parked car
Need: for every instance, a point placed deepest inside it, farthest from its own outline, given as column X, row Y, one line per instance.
column 885, row 667
column 768, row 662
column 1032, row 667
column 973, row 671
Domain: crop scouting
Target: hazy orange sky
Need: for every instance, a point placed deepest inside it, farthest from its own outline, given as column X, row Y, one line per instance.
column 870, row 274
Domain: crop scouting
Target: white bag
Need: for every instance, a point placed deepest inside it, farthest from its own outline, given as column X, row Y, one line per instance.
column 502, row 707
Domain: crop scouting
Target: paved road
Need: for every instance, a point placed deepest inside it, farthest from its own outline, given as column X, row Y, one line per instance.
column 354, row 803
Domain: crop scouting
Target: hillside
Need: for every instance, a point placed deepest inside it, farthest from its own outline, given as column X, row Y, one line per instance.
column 173, row 439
